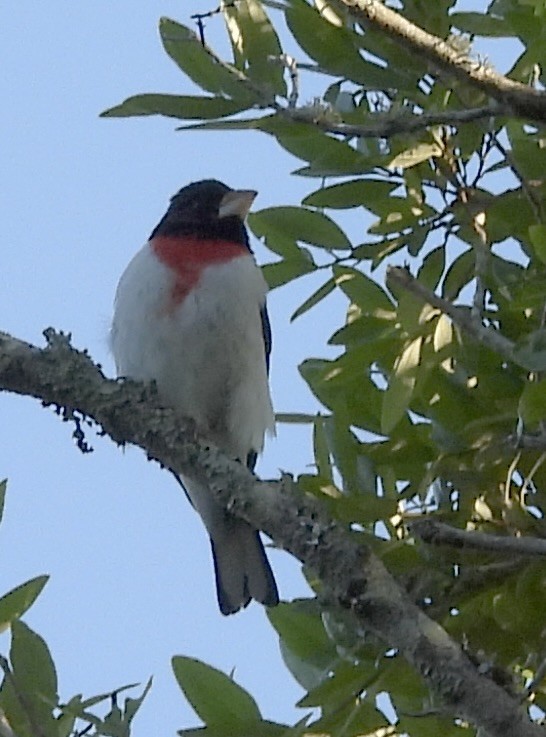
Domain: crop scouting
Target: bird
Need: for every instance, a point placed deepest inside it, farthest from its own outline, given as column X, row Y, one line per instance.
column 190, row 315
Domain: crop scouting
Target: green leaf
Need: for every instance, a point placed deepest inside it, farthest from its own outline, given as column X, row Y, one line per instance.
column 33, row 667
column 133, row 705
column 335, row 48
column 358, row 193
column 286, row 271
column 363, row 291
column 459, row 273
column 240, row 124
column 34, row 675
column 347, row 678
column 480, row 24
column 16, row 716
column 305, row 673
column 537, row 235
column 194, row 59
column 317, row 296
column 216, row 698
column 532, row 403
column 299, row 224
column 254, row 43
column 432, row 268
column 345, row 450
column 344, row 387
column 299, row 625
column 186, row 107
column 398, row 394
column 321, row 449
column 402, row 214
column 16, row 602
column 263, row 728
column 327, row 155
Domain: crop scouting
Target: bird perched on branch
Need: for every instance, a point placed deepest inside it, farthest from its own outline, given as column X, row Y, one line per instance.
column 190, row 314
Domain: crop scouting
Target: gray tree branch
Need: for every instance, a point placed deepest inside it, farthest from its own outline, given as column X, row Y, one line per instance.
column 67, row 379
column 434, row 532
column 388, row 124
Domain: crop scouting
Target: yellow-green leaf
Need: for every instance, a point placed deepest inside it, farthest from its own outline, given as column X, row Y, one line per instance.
column 415, row 155
column 398, row 394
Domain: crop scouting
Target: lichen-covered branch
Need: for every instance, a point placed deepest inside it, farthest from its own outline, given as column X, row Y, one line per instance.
column 523, row 101
column 61, row 376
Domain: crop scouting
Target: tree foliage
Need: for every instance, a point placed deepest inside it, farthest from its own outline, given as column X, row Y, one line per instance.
column 433, row 423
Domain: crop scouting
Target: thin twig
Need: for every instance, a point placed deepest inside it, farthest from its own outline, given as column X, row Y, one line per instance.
column 460, row 315
column 200, row 17
column 533, row 197
column 435, row 532
column 289, row 63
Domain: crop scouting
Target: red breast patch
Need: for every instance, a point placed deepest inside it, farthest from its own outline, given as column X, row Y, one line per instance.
column 188, row 256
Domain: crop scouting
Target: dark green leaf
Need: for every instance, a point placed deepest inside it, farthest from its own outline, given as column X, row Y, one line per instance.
column 320, row 448
column 34, row 675
column 16, row 716
column 358, row 193
column 327, row 155
column 300, row 627
column 532, row 403
column 216, row 698
column 224, row 125
column 363, row 291
column 176, row 106
column 480, row 24
column 16, row 602
column 186, row 50
column 286, row 271
column 299, row 224
column 263, row 728
column 537, row 234
column 317, row 296
column 432, row 268
column 334, row 47
column 458, row 275
column 344, row 387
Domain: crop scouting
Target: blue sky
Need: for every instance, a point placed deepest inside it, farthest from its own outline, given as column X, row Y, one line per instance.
column 131, row 578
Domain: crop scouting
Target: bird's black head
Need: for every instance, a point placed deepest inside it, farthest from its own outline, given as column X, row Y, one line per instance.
column 207, row 209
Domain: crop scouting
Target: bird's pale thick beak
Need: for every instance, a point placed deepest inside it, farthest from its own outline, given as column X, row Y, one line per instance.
column 237, row 202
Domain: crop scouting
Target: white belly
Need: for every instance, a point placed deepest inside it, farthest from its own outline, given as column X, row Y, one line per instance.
column 206, row 354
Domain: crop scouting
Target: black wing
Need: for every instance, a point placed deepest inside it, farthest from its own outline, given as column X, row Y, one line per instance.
column 266, row 331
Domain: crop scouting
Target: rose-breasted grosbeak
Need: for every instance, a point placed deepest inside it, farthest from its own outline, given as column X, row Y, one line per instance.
column 190, row 314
